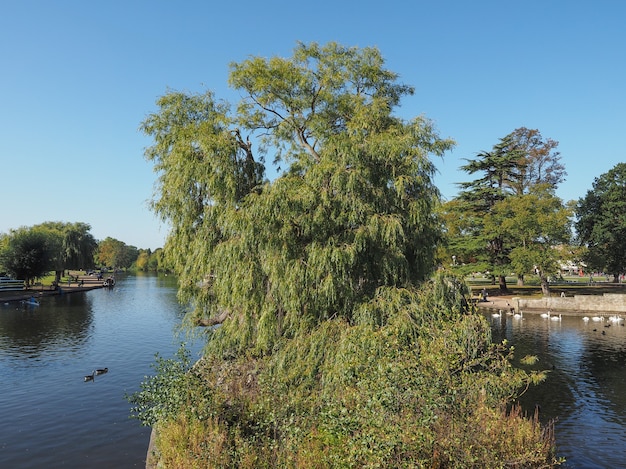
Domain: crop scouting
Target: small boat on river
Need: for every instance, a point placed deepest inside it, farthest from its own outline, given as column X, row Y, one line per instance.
column 31, row 302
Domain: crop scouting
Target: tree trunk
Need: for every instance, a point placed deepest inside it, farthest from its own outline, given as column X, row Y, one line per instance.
column 545, row 285
column 502, row 280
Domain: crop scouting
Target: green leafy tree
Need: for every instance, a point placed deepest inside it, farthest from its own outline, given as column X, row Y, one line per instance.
column 601, row 222
column 142, row 260
column 535, row 225
column 539, row 162
column 129, row 256
column 352, row 212
column 79, row 246
column 114, row 253
column 522, row 163
column 27, row 254
column 156, row 261
column 4, row 244
column 328, row 353
column 464, row 249
column 478, row 198
column 73, row 246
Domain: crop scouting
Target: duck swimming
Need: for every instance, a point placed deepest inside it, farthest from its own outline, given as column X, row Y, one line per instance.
column 91, row 376
column 101, row 371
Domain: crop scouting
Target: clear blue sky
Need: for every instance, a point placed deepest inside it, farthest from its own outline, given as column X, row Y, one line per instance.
column 77, row 78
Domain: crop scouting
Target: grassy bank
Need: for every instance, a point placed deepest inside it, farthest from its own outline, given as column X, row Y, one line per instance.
column 570, row 285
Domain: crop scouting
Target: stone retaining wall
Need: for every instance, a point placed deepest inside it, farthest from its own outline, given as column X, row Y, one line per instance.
column 607, row 303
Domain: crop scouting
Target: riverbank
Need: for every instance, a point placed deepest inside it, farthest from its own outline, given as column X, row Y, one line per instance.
column 81, row 283
column 579, row 305
column 569, row 299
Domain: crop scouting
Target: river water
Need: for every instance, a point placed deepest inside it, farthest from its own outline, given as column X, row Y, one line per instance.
column 51, row 417
column 586, row 386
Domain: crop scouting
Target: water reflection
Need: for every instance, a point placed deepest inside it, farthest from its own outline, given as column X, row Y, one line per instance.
column 60, row 323
column 50, row 416
column 586, row 386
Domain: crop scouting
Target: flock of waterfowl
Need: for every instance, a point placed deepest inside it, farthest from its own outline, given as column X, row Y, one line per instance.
column 94, row 373
column 615, row 319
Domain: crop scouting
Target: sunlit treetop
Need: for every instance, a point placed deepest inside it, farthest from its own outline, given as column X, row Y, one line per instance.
column 352, row 210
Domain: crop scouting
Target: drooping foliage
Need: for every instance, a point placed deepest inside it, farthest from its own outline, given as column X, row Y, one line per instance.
column 52, row 246
column 324, row 351
column 353, row 209
column 74, row 245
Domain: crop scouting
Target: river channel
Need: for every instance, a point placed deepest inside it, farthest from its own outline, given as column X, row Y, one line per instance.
column 585, row 391
column 51, row 417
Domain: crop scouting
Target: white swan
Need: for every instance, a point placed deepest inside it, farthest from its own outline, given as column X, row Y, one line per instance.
column 545, row 315
column 586, row 318
column 616, row 318
column 497, row 315
column 555, row 318
column 519, row 315
column 597, row 318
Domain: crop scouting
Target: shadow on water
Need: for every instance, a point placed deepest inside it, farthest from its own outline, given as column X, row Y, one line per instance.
column 585, row 391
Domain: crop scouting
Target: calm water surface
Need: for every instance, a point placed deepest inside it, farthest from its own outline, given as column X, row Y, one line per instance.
column 586, row 388
column 50, row 417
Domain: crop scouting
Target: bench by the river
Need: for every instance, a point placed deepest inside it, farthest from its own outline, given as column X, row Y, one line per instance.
column 9, row 284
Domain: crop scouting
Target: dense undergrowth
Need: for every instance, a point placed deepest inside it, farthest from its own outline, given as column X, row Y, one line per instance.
column 419, row 385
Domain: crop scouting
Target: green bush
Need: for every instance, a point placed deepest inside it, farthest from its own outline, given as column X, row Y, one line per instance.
column 176, row 386
column 427, row 388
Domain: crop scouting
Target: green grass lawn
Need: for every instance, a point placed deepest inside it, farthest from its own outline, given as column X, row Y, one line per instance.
column 42, row 284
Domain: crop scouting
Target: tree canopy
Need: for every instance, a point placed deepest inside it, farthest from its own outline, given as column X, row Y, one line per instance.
column 601, row 222
column 114, row 253
column 335, row 346
column 74, row 245
column 534, row 225
column 27, row 254
column 51, row 246
column 488, row 218
column 352, row 210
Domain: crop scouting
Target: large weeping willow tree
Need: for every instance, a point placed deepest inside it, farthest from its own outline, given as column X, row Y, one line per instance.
column 328, row 353
column 350, row 212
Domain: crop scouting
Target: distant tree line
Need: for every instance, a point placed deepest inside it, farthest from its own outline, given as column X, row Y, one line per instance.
column 30, row 253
